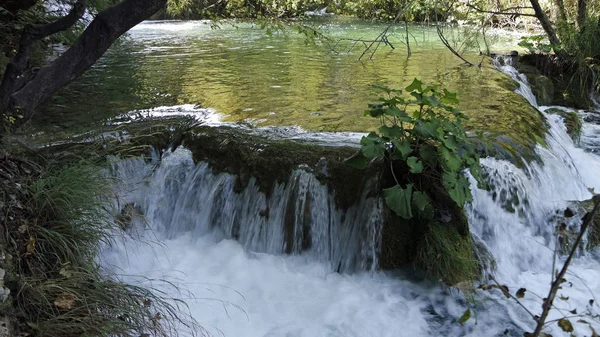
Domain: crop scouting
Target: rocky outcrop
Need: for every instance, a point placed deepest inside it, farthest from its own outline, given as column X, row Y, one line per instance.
column 542, row 68
column 572, row 121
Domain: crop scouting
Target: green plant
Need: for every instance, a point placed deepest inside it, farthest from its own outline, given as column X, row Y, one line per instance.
column 57, row 220
column 536, row 44
column 423, row 134
column 444, row 253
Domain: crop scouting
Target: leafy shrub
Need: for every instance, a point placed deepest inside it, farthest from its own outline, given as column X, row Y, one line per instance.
column 423, row 134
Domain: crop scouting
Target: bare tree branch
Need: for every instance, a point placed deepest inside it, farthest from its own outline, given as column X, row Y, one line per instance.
column 30, row 34
column 443, row 38
column 382, row 37
column 502, row 12
column 558, row 280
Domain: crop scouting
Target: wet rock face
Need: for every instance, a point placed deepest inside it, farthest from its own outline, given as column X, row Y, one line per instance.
column 567, row 225
column 572, row 121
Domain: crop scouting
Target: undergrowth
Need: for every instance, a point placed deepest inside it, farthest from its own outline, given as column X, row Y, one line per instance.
column 57, row 217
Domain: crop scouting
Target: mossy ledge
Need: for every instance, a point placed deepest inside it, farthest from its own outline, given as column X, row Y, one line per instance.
column 271, row 161
column 254, row 154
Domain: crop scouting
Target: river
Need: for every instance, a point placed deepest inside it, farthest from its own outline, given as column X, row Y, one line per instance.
column 248, row 287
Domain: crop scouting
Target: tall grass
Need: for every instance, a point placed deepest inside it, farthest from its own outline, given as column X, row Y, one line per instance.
column 58, row 288
column 444, row 254
column 583, row 48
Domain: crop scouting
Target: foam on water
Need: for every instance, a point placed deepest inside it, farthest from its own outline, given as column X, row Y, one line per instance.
column 248, row 287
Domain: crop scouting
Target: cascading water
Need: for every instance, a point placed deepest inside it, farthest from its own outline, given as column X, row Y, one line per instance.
column 228, row 248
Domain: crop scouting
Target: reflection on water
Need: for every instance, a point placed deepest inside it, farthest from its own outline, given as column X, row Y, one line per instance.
column 246, row 75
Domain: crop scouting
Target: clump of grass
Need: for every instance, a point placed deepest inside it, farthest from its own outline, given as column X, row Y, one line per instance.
column 57, row 222
column 446, row 255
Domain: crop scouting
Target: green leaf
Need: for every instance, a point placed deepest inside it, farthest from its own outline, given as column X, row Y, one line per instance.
column 457, row 187
column 428, row 154
column 358, row 160
column 457, row 194
column 399, row 114
column 449, row 179
column 465, row 316
column 430, row 100
column 372, row 146
column 391, row 132
column 450, row 160
column 449, row 97
column 416, row 166
column 476, row 172
column 565, row 325
column 420, row 200
column 416, row 85
column 422, row 203
column 398, row 200
column 403, row 147
column 426, row 129
column 375, row 112
column 451, row 143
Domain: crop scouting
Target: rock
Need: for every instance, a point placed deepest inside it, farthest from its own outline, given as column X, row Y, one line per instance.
column 4, row 327
column 580, row 209
column 572, row 121
column 541, row 85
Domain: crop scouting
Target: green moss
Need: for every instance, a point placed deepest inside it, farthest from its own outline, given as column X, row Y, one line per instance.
column 271, row 161
column 446, row 255
column 541, row 86
column 511, row 125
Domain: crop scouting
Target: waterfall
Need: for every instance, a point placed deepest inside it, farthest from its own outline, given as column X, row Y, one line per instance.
column 299, row 216
column 291, row 263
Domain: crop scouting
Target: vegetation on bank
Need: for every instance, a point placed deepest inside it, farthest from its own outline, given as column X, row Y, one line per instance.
column 424, row 144
column 56, row 217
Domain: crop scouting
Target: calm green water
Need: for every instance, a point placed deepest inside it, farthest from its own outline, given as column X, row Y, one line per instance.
column 247, row 75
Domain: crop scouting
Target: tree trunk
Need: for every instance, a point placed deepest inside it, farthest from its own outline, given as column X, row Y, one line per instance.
column 581, row 13
column 105, row 29
column 545, row 22
column 14, row 75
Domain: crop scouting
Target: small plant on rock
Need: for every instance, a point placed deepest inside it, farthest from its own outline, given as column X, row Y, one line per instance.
column 422, row 132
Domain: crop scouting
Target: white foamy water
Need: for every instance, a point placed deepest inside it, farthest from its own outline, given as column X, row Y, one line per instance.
column 228, row 248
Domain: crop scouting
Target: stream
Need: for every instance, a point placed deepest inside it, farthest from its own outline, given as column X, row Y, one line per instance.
column 235, row 269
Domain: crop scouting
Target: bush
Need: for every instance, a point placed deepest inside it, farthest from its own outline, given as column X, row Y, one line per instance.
column 422, row 141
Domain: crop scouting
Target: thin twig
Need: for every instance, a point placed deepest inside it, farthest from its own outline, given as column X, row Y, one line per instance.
column 547, row 305
column 502, row 12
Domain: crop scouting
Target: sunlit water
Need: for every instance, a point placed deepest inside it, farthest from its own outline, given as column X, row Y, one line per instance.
column 248, row 76
column 249, row 287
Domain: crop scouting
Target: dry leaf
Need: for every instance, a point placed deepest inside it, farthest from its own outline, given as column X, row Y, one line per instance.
column 30, row 246
column 521, row 293
column 65, row 301
column 565, row 325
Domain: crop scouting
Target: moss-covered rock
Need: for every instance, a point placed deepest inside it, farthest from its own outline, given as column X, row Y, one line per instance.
column 271, row 161
column 572, row 121
column 563, row 76
column 446, row 254
column 541, row 85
